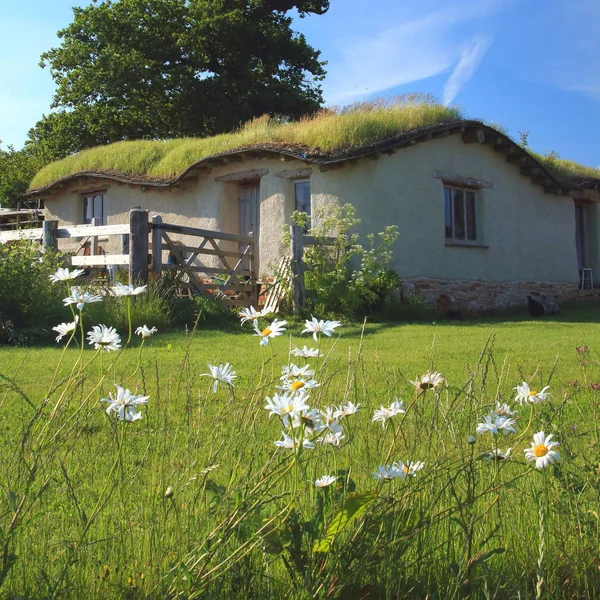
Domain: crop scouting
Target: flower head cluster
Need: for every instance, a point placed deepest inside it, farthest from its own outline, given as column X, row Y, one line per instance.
column 542, row 450
column 315, row 327
column 494, row 423
column 287, row 406
column 383, row 414
column 220, row 374
column 124, row 404
column 65, row 275
column 306, row 352
column 526, row 395
column 104, row 338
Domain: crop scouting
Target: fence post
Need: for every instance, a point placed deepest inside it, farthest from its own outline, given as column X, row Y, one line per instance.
column 156, row 245
column 50, row 235
column 94, row 240
column 298, row 291
column 254, row 275
column 138, row 246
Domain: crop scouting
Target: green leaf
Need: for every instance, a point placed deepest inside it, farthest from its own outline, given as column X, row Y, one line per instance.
column 353, row 507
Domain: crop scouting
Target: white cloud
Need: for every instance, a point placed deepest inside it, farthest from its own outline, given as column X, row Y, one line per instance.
column 471, row 55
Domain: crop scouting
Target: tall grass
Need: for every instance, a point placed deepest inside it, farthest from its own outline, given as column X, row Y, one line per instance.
column 566, row 169
column 332, row 130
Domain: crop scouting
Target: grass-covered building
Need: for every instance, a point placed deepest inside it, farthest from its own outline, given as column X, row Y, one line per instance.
column 480, row 217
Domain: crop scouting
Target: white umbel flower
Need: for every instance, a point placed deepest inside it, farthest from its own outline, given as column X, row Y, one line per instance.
column 275, row 329
column 429, row 381
column 345, row 410
column 220, row 374
column 325, row 481
column 494, row 424
column 383, row 414
column 287, row 406
column 80, row 299
column 526, row 395
column 291, row 443
column 125, row 404
column 120, row 289
column 65, row 328
column 306, row 352
column 65, row 275
column 315, row 327
column 104, row 338
column 541, row 450
column 144, row 332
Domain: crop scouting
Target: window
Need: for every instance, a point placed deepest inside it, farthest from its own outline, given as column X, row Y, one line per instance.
column 93, row 207
column 460, row 215
column 302, row 199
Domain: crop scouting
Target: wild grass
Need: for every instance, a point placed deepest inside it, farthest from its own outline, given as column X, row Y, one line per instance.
column 330, row 131
column 195, row 501
column 566, row 169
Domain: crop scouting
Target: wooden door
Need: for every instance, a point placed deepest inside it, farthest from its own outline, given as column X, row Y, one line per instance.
column 249, row 195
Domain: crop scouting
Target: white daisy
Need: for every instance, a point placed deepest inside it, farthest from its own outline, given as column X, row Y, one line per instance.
column 315, row 327
column 249, row 314
column 526, row 395
column 311, row 419
column 127, row 290
column 125, row 404
column 104, row 338
column 287, row 406
column 298, row 385
column 388, row 472
column 65, row 328
column 65, row 275
column 541, row 450
column 429, row 381
column 332, row 438
column 503, row 410
column 276, row 328
column 383, row 414
column 221, row 374
column 497, row 454
column 145, row 332
column 325, row 481
column 306, row 352
column 290, row 443
column 345, row 410
column 331, row 421
column 494, row 424
column 294, row 371
column 410, row 468
column 80, row 299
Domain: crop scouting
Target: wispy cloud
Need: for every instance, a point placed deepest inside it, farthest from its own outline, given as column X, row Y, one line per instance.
column 471, row 55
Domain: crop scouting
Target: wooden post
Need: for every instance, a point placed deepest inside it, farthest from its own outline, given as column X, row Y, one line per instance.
column 254, row 275
column 156, row 245
column 298, row 291
column 50, row 235
column 138, row 246
column 94, row 241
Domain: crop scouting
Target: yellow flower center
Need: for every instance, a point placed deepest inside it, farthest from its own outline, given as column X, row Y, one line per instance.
column 406, row 469
column 533, row 393
column 297, row 385
column 540, row 450
column 289, row 408
column 266, row 332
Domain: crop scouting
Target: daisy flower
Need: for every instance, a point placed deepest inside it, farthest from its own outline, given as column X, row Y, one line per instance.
column 331, row 421
column 315, row 327
column 125, row 404
column 325, row 481
column 306, row 352
column 410, row 468
column 144, row 332
column 104, row 338
column 388, row 472
column 80, row 299
column 286, row 406
column 65, row 275
column 541, row 450
column 331, row 438
column 383, row 414
column 65, row 328
column 276, row 328
column 249, row 314
column 345, row 410
column 526, row 395
column 497, row 454
column 221, row 374
column 290, row 443
column 127, row 290
column 293, row 371
column 494, row 424
column 298, row 385
column 311, row 419
column 503, row 410
column 429, row 381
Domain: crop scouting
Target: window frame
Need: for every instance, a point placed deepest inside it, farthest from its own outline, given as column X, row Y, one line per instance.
column 469, row 218
column 94, row 196
column 295, row 182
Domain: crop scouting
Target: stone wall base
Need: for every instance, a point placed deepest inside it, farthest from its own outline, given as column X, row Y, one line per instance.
column 478, row 297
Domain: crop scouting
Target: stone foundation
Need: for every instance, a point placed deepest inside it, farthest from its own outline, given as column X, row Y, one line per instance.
column 477, row 297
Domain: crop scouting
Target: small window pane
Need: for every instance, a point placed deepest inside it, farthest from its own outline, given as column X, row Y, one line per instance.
column 98, row 209
column 448, row 213
column 459, row 215
column 471, row 220
column 88, row 210
column 302, row 196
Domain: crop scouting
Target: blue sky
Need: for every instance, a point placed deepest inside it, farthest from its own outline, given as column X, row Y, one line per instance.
column 525, row 64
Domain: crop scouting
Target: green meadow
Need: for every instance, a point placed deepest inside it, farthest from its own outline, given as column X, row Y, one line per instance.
column 195, row 500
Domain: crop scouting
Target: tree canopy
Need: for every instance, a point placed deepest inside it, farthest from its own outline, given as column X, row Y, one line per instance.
column 134, row 69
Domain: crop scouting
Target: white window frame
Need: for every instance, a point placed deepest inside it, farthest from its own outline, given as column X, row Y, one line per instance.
column 301, row 181
column 453, row 238
column 95, row 197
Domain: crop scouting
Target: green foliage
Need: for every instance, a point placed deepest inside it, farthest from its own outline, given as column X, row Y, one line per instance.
column 27, row 298
column 566, row 169
column 134, row 69
column 346, row 278
column 332, row 131
column 17, row 168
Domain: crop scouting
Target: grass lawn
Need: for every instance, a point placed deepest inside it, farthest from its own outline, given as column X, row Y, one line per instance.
column 195, row 500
